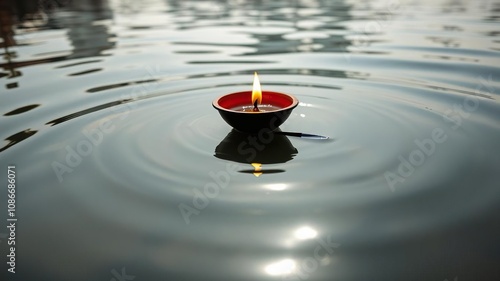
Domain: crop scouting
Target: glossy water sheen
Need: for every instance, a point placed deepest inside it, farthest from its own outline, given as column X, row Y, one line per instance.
column 129, row 84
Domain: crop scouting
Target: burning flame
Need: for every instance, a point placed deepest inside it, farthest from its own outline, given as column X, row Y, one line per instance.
column 256, row 91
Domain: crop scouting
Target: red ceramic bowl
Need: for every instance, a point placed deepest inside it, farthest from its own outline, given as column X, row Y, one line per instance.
column 253, row 122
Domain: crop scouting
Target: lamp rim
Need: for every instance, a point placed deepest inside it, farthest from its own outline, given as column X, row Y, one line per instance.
column 293, row 104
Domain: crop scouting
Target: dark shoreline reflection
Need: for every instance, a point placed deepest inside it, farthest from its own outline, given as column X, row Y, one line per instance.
column 267, row 148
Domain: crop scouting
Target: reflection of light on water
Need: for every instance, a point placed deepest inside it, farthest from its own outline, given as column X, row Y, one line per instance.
column 302, row 115
column 305, row 104
column 257, row 167
column 289, row 243
column 305, row 232
column 283, row 267
column 309, row 47
column 301, row 233
column 276, row 186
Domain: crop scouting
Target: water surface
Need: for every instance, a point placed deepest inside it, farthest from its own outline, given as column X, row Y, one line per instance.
column 124, row 166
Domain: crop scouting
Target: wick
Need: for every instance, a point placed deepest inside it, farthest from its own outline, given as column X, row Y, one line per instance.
column 255, row 108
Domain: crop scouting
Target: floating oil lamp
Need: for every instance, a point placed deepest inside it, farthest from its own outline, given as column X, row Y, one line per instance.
column 256, row 110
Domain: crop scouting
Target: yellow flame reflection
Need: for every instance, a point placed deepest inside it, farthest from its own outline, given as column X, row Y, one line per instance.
column 258, row 168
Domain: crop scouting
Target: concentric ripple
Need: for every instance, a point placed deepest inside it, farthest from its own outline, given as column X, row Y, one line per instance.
column 123, row 163
column 157, row 153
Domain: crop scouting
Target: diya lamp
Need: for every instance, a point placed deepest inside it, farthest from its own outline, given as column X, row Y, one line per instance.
column 256, row 110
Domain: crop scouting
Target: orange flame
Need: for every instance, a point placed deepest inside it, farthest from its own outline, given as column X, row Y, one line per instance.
column 256, row 91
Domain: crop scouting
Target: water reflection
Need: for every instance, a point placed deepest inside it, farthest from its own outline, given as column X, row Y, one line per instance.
column 305, row 232
column 257, row 150
column 22, row 109
column 281, row 268
column 87, row 23
column 86, row 64
column 244, row 148
column 18, row 137
column 8, row 40
column 88, row 28
column 288, row 25
column 288, row 267
column 275, row 186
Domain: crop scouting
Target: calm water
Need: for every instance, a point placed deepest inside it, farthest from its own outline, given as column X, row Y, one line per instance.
column 126, row 172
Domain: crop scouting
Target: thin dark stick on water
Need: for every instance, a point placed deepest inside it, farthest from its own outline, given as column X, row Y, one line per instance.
column 302, row 135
